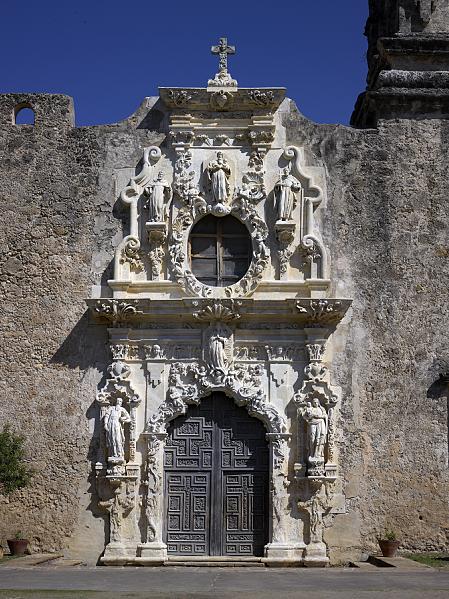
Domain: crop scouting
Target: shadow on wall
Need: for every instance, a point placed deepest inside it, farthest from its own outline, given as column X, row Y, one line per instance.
column 439, row 390
column 86, row 348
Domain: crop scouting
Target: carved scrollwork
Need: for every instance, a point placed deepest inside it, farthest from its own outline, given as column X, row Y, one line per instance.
column 322, row 311
column 179, row 97
column 116, row 311
column 261, row 97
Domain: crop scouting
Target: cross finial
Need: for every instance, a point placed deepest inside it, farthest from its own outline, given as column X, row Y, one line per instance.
column 223, row 77
column 223, row 50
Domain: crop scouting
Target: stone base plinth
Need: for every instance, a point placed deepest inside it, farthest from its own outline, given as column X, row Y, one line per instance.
column 118, row 554
column 284, row 554
column 316, row 555
column 152, row 554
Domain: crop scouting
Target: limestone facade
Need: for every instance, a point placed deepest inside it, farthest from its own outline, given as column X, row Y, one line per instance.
column 335, row 338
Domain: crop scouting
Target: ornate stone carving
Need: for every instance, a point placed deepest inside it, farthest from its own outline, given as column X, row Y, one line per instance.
column 116, row 311
column 184, row 138
column 179, row 97
column 310, row 198
column 285, row 232
column 261, row 137
column 119, row 506
column 322, row 311
column 183, row 183
column 213, row 310
column 223, row 77
column 315, row 401
column 153, row 484
column 189, row 382
column 252, row 188
column 249, row 352
column 195, row 207
column 261, row 97
column 157, row 236
column 129, row 249
column 221, row 100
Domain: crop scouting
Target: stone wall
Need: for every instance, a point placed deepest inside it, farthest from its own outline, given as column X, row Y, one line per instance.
column 386, row 227
column 387, row 231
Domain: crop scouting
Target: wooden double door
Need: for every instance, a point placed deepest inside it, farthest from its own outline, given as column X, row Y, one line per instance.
column 216, row 467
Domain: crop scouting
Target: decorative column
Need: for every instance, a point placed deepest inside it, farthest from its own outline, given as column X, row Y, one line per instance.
column 317, row 470
column 280, row 551
column 154, row 551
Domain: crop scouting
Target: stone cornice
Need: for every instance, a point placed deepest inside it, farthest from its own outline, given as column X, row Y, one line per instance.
column 303, row 312
column 239, row 99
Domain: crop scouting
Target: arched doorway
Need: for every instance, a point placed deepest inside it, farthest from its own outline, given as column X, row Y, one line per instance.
column 216, row 465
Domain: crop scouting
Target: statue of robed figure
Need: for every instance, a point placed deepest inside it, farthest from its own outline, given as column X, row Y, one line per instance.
column 113, row 422
column 316, row 417
column 159, row 193
column 285, row 191
column 219, row 172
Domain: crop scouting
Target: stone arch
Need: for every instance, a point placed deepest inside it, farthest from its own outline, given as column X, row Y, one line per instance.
column 24, row 114
column 189, row 383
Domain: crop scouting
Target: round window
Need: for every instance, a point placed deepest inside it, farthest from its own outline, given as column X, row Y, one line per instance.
column 220, row 250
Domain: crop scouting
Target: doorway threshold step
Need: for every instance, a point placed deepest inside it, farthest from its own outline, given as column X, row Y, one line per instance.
column 215, row 561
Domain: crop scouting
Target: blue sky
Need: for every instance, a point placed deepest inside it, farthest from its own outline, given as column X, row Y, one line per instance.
column 109, row 54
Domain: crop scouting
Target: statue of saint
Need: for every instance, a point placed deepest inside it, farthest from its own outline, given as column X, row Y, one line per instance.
column 315, row 416
column 285, row 192
column 158, row 191
column 219, row 172
column 114, row 420
column 217, row 350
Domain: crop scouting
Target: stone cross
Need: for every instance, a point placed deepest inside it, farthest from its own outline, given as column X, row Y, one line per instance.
column 223, row 50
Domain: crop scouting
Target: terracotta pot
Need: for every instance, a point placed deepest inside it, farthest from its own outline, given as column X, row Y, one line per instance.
column 388, row 548
column 18, row 546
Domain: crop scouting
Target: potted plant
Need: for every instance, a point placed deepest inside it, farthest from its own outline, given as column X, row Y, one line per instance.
column 18, row 546
column 14, row 474
column 389, row 544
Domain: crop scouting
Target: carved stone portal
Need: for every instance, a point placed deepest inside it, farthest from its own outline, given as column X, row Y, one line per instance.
column 265, row 341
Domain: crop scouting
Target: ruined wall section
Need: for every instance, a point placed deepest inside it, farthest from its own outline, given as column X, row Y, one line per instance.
column 386, row 227
column 57, row 221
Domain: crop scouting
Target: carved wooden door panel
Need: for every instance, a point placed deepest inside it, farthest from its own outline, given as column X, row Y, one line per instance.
column 216, row 481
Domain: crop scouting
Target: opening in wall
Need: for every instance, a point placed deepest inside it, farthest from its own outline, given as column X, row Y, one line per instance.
column 23, row 114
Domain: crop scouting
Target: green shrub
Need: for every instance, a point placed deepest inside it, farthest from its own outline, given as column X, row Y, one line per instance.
column 14, row 473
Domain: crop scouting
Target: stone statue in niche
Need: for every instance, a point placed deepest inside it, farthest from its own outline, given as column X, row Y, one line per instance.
column 218, row 173
column 285, row 191
column 114, row 420
column 159, row 193
column 218, row 348
column 316, row 417
column 217, row 351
